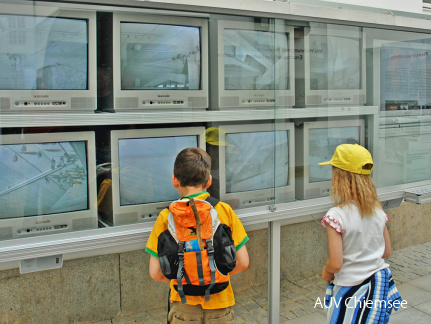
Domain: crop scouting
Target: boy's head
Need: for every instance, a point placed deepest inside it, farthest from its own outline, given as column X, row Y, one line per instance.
column 192, row 167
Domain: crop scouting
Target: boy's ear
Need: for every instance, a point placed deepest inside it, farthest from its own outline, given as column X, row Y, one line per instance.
column 175, row 182
column 210, row 181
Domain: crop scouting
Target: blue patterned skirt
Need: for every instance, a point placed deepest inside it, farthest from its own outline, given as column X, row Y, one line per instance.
column 370, row 302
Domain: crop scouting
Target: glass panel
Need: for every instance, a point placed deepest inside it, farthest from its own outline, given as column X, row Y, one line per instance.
column 400, row 76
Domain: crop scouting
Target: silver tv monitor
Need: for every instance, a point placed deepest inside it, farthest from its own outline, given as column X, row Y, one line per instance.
column 142, row 168
column 254, row 66
column 48, row 60
column 160, row 62
column 334, row 65
column 316, row 142
column 256, row 166
column 47, row 184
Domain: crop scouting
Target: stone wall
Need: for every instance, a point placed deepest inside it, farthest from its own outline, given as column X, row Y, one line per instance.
column 111, row 286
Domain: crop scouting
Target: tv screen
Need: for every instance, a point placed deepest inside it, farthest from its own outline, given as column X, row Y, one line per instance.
column 43, row 53
column 146, row 168
column 256, row 160
column 322, row 144
column 43, row 178
column 335, row 63
column 255, row 60
column 160, row 57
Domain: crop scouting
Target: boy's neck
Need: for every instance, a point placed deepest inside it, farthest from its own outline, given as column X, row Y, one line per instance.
column 190, row 191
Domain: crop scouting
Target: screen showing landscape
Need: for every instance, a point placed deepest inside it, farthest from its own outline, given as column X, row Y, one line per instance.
column 43, row 53
column 42, row 179
column 160, row 57
column 146, row 168
column 256, row 160
column 256, row 60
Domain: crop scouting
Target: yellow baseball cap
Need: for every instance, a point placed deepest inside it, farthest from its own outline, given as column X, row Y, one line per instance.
column 353, row 158
column 213, row 137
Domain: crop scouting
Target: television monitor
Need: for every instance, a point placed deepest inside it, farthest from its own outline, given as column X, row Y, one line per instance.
column 142, row 168
column 254, row 66
column 48, row 60
column 256, row 165
column 334, row 65
column 47, row 184
column 316, row 142
column 160, row 62
column 404, row 155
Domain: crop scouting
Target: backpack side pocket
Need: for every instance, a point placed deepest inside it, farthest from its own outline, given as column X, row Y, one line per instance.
column 167, row 249
column 224, row 249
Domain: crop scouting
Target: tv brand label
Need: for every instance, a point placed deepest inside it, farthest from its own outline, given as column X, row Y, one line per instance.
column 43, row 222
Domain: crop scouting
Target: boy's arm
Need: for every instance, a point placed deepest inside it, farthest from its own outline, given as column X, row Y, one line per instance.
column 155, row 271
column 242, row 260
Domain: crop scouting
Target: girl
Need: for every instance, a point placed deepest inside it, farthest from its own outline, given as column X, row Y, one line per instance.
column 358, row 240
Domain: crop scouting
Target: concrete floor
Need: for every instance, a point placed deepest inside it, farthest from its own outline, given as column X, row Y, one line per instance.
column 411, row 269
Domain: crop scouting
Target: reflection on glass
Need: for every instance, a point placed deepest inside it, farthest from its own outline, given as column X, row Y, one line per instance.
column 323, row 142
column 256, row 161
column 157, row 56
column 43, row 53
column 405, row 74
column 146, row 168
column 335, row 63
column 43, row 179
column 404, row 155
column 255, row 60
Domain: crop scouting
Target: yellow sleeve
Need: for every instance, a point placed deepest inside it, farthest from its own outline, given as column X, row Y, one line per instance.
column 229, row 217
column 159, row 227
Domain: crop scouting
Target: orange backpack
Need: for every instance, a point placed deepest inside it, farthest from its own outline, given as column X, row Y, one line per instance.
column 196, row 250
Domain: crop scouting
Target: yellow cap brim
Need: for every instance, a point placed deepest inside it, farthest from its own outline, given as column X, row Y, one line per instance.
column 325, row 163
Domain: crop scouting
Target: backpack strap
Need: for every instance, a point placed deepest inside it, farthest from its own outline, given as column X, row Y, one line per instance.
column 210, row 250
column 213, row 201
column 180, row 272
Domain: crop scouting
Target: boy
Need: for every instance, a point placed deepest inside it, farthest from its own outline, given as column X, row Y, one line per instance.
column 191, row 177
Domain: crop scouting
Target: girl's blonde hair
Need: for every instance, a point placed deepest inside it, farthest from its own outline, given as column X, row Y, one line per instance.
column 348, row 187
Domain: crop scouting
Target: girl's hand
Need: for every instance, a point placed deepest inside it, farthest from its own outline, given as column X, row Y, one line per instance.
column 327, row 276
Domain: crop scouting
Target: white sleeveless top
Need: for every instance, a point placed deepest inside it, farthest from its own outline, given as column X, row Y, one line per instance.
column 363, row 243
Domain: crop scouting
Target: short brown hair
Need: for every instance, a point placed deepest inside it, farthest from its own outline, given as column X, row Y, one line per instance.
column 192, row 167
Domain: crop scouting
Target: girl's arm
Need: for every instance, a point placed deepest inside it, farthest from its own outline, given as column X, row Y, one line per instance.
column 388, row 246
column 335, row 246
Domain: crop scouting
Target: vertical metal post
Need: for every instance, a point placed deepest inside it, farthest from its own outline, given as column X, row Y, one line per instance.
column 274, row 272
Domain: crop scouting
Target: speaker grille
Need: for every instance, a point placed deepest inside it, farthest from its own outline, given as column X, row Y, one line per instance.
column 82, row 103
column 284, row 101
column 5, row 103
column 196, row 102
column 83, row 223
column 127, row 102
column 123, row 219
column 312, row 100
column 6, row 233
column 229, row 102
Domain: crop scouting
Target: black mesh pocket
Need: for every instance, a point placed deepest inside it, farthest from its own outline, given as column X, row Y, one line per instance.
column 224, row 249
column 167, row 249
